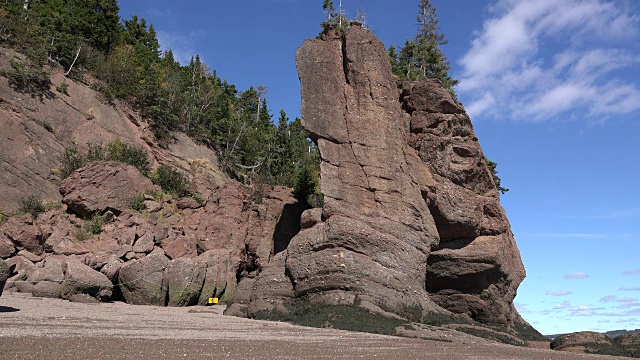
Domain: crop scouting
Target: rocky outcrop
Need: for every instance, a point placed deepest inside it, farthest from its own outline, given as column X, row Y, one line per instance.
column 178, row 252
column 476, row 268
column 596, row 343
column 411, row 224
column 103, row 186
column 376, row 231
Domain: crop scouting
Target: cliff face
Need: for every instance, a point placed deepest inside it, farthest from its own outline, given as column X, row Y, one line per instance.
column 411, row 223
column 376, row 232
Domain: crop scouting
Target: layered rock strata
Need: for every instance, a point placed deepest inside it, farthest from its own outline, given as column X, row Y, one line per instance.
column 411, row 224
column 376, row 232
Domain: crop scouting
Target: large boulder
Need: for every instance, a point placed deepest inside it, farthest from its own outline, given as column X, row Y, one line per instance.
column 83, row 283
column 102, row 186
column 141, row 281
column 183, row 279
column 23, row 233
column 6, row 272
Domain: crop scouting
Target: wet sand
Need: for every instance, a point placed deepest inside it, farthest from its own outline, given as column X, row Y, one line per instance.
column 37, row 328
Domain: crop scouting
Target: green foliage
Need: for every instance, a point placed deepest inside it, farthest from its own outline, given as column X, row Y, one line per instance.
column 171, row 181
column 23, row 78
column 494, row 173
column 91, row 227
column 422, row 56
column 118, row 151
column 335, row 17
column 63, row 88
column 129, row 154
column 305, row 189
column 136, row 203
column 125, row 58
column 3, row 218
column 345, row 317
column 33, row 205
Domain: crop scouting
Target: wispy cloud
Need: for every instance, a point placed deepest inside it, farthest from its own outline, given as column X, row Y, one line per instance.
column 576, row 276
column 558, row 293
column 629, row 289
column 183, row 46
column 538, row 59
column 631, row 272
column 608, row 298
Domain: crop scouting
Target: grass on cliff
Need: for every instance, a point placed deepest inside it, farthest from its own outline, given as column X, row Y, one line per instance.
column 74, row 158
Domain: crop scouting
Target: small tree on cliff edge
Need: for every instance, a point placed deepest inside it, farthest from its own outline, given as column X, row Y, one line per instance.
column 422, row 56
column 335, row 18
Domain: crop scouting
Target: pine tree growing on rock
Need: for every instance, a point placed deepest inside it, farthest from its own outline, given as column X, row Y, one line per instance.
column 422, row 57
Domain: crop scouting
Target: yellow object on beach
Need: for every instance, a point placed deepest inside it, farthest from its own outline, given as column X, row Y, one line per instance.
column 213, row 300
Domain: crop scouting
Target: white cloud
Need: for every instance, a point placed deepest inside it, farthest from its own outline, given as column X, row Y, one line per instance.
column 631, row 272
column 608, row 298
column 558, row 293
column 183, row 46
column 629, row 289
column 576, row 276
column 537, row 60
column 563, row 305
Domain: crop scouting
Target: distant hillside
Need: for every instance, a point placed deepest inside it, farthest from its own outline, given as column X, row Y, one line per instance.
column 611, row 334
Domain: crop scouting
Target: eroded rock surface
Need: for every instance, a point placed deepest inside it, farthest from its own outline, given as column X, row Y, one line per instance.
column 411, row 214
column 377, row 231
column 476, row 268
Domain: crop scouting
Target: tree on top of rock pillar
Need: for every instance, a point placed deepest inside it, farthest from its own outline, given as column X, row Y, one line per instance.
column 422, row 56
column 335, row 18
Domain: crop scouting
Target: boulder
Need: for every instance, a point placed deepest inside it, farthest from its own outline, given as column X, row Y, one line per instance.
column 7, row 249
column 581, row 342
column 141, row 281
column 183, row 279
column 23, row 233
column 81, row 279
column 102, row 186
column 6, row 271
column 46, row 281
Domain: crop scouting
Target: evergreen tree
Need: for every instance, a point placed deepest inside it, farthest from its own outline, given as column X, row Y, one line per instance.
column 422, row 57
column 335, row 18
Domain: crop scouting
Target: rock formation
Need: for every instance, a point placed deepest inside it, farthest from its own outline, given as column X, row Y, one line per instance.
column 411, row 224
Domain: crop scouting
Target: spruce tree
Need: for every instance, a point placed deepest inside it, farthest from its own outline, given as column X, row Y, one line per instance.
column 422, row 57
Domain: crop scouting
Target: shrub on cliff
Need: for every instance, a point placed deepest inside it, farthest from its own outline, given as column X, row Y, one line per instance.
column 118, row 151
column 23, row 78
column 33, row 205
column 170, row 180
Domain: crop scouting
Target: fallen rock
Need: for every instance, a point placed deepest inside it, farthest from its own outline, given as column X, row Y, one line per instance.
column 102, row 186
column 24, row 234
column 183, row 279
column 6, row 271
column 80, row 279
column 141, row 281
column 46, row 281
column 6, row 247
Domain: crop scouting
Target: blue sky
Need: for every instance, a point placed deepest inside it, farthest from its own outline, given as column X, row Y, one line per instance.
column 553, row 89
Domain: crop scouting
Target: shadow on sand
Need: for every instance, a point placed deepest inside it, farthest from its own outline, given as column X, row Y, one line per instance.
column 8, row 309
